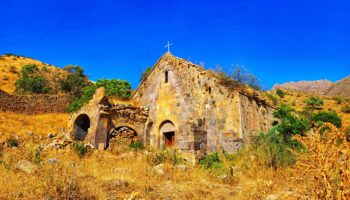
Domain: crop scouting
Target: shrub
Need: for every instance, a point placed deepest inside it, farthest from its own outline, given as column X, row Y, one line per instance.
column 273, row 99
column 136, row 146
column 31, row 82
column 145, row 73
column 283, row 111
column 275, row 150
column 239, row 77
column 80, row 149
column 211, row 162
column 324, row 116
column 346, row 109
column 314, row 102
column 280, row 93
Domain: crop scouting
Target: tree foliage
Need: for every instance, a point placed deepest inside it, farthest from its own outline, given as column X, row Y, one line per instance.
column 31, row 81
column 324, row 116
column 119, row 88
column 314, row 102
column 280, row 93
column 75, row 82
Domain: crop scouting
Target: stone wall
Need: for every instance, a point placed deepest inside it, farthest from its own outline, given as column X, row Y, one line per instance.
column 204, row 112
column 34, row 104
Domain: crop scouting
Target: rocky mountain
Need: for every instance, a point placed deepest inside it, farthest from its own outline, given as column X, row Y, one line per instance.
column 319, row 87
column 340, row 88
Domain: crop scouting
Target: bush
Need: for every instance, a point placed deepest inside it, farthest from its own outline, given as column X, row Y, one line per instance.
column 80, row 149
column 314, row 102
column 239, row 77
column 136, row 146
column 118, row 88
column 275, row 150
column 338, row 100
column 324, row 116
column 273, row 99
column 31, row 82
column 283, row 111
column 346, row 109
column 280, row 93
column 211, row 162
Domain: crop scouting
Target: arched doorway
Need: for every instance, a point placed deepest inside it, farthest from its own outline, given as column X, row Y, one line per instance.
column 167, row 134
column 122, row 135
column 81, row 127
column 148, row 133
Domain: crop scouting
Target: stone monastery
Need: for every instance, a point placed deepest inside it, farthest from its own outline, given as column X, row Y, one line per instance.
column 178, row 104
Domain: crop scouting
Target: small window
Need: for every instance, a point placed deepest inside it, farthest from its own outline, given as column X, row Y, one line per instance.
column 166, row 77
column 209, row 90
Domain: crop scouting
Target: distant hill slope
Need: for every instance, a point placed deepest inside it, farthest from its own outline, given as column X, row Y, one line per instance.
column 312, row 87
column 11, row 65
column 340, row 88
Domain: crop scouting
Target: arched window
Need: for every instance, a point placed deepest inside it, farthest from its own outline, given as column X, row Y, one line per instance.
column 167, row 132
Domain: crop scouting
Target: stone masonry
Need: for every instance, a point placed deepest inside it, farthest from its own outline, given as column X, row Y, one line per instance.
column 181, row 105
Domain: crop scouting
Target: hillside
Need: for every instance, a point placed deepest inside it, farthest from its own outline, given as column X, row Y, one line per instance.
column 297, row 100
column 340, row 88
column 11, row 65
column 311, row 87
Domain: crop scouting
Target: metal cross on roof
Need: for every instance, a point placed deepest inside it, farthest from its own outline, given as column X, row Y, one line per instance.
column 168, row 46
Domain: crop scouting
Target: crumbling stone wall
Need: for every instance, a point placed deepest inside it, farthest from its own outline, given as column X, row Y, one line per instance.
column 34, row 104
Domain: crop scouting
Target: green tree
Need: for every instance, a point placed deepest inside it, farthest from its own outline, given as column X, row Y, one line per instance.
column 75, row 81
column 314, row 102
column 119, row 88
column 31, row 81
column 324, row 116
column 145, row 73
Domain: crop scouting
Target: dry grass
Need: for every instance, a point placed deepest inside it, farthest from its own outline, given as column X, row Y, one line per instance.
column 10, row 67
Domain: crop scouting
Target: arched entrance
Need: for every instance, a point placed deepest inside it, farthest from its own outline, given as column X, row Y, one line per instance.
column 167, row 134
column 122, row 134
column 81, row 127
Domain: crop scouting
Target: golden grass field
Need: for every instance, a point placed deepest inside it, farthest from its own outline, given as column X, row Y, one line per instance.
column 130, row 175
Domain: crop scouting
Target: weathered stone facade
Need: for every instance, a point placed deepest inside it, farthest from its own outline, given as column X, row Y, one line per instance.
column 185, row 106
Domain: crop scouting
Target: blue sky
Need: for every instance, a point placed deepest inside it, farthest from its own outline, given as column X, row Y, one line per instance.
column 278, row 41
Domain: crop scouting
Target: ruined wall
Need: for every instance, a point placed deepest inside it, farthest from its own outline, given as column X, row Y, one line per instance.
column 34, row 104
column 202, row 111
column 255, row 117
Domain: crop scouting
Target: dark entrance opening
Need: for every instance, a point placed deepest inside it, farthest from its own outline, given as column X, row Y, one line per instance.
column 81, row 127
column 169, row 138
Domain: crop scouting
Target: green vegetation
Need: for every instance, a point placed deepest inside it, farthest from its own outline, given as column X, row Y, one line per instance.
column 31, row 81
column 170, row 156
column 145, row 73
column 314, row 103
column 324, row 116
column 80, row 149
column 280, row 93
column 136, row 146
column 118, row 88
column 211, row 162
column 75, row 82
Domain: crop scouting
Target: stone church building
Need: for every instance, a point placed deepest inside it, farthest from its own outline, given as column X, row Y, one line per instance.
column 178, row 104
